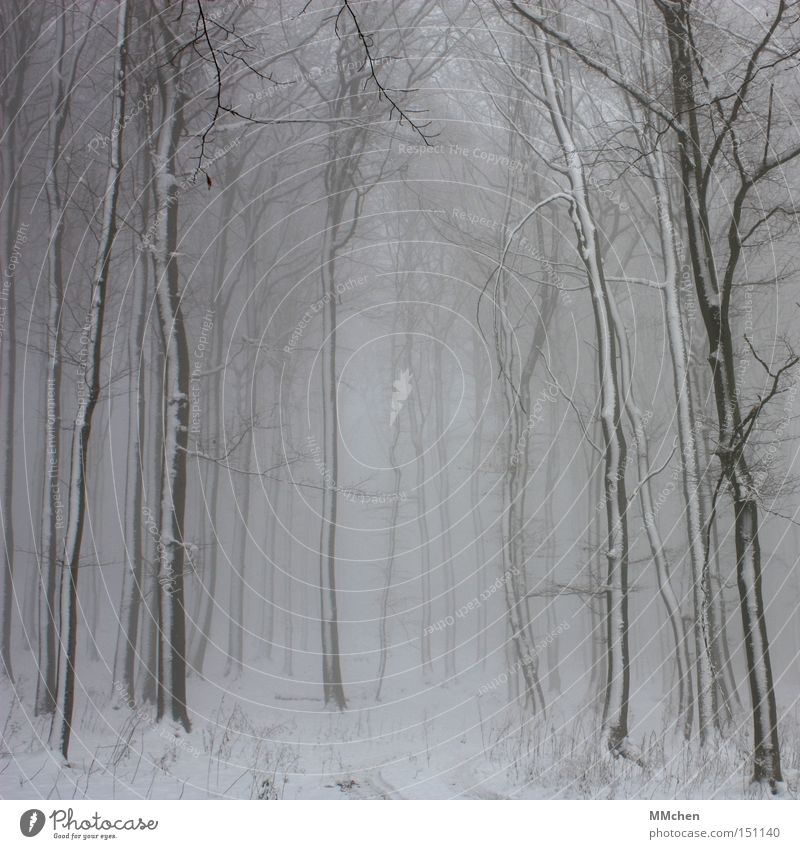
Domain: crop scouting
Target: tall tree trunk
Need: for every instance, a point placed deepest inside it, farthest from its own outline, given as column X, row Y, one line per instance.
column 8, row 418
column 714, row 304
column 552, row 650
column 133, row 578
column 13, row 235
column 690, row 464
column 88, row 391
column 705, row 665
column 213, row 428
column 397, row 362
column 522, row 417
column 175, row 409
column 523, row 420
column 52, row 513
column 333, row 689
column 150, row 624
column 288, row 588
column 416, row 418
column 662, row 567
column 718, row 615
column 615, row 711
column 443, row 478
column 236, row 613
column 597, row 642
column 478, row 530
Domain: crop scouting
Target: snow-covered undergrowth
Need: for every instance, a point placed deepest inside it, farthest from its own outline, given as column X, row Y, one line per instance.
column 566, row 763
column 464, row 747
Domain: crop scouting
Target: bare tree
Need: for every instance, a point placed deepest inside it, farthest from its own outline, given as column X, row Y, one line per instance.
column 715, row 146
column 133, row 583
column 171, row 700
column 88, row 391
column 576, row 194
column 517, row 362
column 698, row 159
column 62, row 79
column 18, row 31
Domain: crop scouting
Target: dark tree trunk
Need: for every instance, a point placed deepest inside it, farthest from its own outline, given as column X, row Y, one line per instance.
column 714, row 301
column 88, row 391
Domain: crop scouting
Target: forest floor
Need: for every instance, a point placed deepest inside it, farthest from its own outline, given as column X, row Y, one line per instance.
column 467, row 747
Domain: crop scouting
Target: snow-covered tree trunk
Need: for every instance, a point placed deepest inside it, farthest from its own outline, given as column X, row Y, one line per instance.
column 212, row 430
column 687, row 442
column 655, row 169
column 720, row 644
column 171, row 699
column 615, row 712
column 522, row 421
column 154, row 444
column 714, row 302
column 133, row 578
column 333, row 689
column 655, row 541
column 52, row 520
column 596, row 641
column 88, row 380
column 550, row 555
column 341, row 188
column 344, row 201
column 209, row 587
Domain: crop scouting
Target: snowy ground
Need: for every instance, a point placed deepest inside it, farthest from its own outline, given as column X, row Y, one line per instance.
column 459, row 745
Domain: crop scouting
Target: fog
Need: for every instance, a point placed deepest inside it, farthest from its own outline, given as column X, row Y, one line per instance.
column 398, row 400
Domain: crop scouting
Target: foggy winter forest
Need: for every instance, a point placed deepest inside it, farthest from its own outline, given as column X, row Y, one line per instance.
column 398, row 399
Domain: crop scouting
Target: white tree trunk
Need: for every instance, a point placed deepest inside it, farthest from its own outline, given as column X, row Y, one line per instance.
column 662, row 567
column 690, row 466
column 88, row 390
column 52, row 518
column 615, row 713
column 172, row 552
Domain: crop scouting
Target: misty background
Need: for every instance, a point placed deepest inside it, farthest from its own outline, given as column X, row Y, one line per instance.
column 398, row 399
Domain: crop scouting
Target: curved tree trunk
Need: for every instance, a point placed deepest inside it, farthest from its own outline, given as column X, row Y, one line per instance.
column 615, row 711
column 690, row 464
column 714, row 302
column 662, row 567
column 88, row 391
